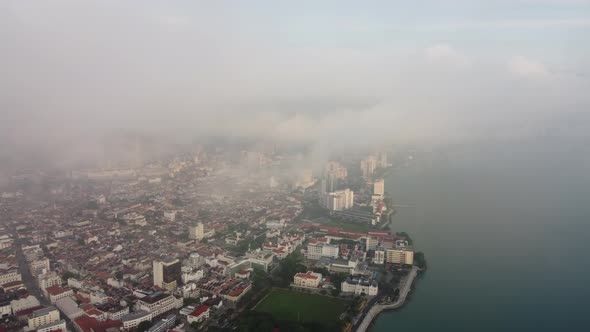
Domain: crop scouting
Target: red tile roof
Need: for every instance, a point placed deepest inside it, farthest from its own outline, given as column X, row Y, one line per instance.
column 56, row 290
column 199, row 310
column 307, row 275
column 91, row 324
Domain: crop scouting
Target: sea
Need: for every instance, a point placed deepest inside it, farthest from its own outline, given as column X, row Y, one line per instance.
column 505, row 227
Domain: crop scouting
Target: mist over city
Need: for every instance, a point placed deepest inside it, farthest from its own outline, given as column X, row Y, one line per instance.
column 266, row 166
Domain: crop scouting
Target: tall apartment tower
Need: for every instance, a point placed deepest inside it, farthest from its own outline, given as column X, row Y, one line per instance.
column 167, row 273
column 197, row 232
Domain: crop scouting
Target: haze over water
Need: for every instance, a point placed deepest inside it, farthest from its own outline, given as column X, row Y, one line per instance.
column 505, row 230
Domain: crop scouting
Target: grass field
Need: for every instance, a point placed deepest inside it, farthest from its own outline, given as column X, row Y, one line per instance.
column 294, row 306
column 347, row 226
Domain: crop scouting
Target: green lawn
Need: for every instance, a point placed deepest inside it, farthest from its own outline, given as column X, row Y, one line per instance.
column 294, row 306
column 347, row 226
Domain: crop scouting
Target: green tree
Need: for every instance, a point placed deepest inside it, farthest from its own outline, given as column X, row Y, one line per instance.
column 144, row 326
column 420, row 259
column 260, row 280
column 289, row 266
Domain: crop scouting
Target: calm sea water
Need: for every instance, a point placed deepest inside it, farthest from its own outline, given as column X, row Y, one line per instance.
column 506, row 232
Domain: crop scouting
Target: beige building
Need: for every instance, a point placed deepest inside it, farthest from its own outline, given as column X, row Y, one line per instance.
column 39, row 266
column 368, row 166
column 379, row 256
column 47, row 280
column 158, row 303
column 43, row 317
column 167, row 274
column 308, row 279
column 399, row 256
column 7, row 276
column 379, row 187
column 198, row 232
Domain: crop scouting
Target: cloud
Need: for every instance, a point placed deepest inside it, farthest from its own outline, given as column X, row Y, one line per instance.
column 444, row 53
column 80, row 81
column 526, row 67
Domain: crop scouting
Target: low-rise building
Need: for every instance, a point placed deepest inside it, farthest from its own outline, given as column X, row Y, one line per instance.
column 159, row 303
column 133, row 319
column 69, row 308
column 57, row 292
column 5, row 309
column 42, row 317
column 24, row 303
column 47, row 280
column 319, row 250
column 308, row 279
column 163, row 324
column 200, row 314
column 399, row 256
column 360, row 285
column 52, row 327
column 10, row 275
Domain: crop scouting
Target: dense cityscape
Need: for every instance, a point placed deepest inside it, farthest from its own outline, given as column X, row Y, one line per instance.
column 204, row 242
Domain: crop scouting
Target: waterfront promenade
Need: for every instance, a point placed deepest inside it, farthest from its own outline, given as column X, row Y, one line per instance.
column 378, row 308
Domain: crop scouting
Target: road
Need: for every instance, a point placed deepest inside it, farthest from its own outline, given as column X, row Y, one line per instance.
column 406, row 286
column 28, row 279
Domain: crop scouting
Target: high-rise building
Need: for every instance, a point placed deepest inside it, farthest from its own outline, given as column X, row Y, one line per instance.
column 339, row 200
column 379, row 187
column 336, row 169
column 368, row 166
column 382, row 160
column 329, row 183
column 167, row 273
column 196, row 232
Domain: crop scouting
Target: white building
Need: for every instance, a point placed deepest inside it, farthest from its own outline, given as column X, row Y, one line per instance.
column 192, row 276
column 24, row 303
column 319, row 250
column 158, row 303
column 379, row 256
column 69, row 308
column 55, row 326
column 200, row 314
column 39, row 266
column 5, row 309
column 336, row 169
column 42, row 317
column 399, row 256
column 9, row 276
column 62, row 233
column 198, row 232
column 132, row 320
column 170, row 215
column 308, row 279
column 47, row 280
column 360, row 285
column 339, row 200
column 57, row 292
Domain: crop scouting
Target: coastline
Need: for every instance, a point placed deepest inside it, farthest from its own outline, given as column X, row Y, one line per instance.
column 376, row 309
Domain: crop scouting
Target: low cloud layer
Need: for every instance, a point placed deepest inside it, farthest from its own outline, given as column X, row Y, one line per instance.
column 74, row 74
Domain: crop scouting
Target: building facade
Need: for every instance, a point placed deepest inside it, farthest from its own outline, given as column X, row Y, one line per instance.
column 167, row 274
column 399, row 256
column 308, row 279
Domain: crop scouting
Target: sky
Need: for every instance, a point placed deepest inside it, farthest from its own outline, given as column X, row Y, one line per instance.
column 329, row 73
